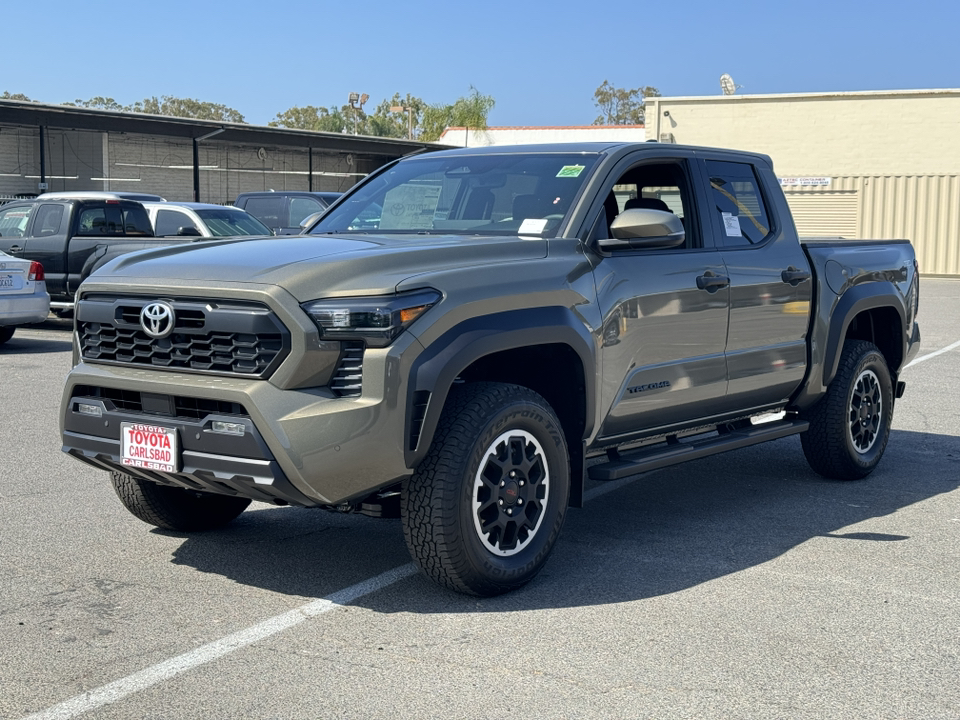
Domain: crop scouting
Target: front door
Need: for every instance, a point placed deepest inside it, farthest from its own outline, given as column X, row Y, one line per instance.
column 664, row 311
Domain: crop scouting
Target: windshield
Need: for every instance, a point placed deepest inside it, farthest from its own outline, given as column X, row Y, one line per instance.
column 496, row 194
column 228, row 223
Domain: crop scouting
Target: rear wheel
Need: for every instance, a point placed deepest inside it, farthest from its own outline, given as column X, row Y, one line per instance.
column 173, row 508
column 850, row 425
column 484, row 509
column 6, row 332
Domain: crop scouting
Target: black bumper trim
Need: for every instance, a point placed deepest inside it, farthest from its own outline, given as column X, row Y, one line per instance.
column 256, row 479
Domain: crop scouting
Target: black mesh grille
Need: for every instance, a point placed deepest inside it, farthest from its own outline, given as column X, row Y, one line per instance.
column 223, row 338
column 348, row 378
column 187, row 408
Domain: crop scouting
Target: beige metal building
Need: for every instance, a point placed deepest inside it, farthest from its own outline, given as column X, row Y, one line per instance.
column 859, row 164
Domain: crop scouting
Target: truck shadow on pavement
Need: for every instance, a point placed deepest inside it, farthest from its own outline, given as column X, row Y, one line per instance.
column 22, row 345
column 667, row 531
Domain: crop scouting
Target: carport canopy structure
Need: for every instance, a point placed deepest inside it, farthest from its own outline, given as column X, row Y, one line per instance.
column 31, row 115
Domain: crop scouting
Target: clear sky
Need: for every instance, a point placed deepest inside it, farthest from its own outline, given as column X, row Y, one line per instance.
column 541, row 61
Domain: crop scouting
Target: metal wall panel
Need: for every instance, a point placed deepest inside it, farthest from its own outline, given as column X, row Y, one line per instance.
column 925, row 209
column 818, row 214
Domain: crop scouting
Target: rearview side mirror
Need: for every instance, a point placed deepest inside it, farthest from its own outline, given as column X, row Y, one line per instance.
column 188, row 231
column 311, row 219
column 644, row 228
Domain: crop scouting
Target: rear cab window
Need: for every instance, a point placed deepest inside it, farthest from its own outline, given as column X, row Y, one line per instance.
column 737, row 204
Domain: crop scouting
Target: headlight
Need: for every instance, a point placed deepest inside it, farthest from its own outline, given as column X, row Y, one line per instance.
column 375, row 320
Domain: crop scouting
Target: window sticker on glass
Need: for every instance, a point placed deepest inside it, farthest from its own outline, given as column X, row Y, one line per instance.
column 731, row 224
column 570, row 171
column 532, row 226
column 410, row 207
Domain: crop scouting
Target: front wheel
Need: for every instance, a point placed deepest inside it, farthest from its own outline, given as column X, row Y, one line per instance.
column 850, row 425
column 173, row 508
column 484, row 509
column 6, row 332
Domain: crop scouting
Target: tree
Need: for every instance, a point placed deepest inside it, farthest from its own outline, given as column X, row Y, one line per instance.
column 470, row 111
column 99, row 103
column 309, row 117
column 621, row 106
column 187, row 108
column 385, row 123
column 166, row 105
column 14, row 96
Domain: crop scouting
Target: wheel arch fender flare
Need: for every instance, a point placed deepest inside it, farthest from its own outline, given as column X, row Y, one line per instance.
column 435, row 370
column 855, row 300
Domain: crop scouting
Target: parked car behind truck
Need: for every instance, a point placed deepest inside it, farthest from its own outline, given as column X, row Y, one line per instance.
column 23, row 295
column 72, row 235
column 202, row 220
column 283, row 211
column 464, row 329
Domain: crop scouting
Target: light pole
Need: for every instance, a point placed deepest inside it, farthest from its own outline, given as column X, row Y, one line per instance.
column 409, row 112
column 356, row 101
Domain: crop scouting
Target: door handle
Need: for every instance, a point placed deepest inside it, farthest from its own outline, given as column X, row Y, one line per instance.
column 14, row 249
column 793, row 276
column 711, row 283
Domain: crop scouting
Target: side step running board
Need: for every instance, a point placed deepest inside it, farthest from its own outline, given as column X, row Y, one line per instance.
column 673, row 453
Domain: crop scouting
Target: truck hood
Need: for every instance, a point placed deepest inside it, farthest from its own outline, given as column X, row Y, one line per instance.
column 314, row 266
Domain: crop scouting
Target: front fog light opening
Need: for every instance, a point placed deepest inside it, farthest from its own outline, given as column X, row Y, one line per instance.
column 227, row 428
column 88, row 409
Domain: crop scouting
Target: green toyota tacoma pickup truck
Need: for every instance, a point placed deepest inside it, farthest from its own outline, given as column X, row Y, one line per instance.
column 462, row 331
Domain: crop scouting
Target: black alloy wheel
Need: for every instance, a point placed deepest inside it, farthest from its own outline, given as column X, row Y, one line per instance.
column 483, row 510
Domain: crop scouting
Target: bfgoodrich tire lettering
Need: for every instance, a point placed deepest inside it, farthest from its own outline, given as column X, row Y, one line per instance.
column 850, row 425
column 173, row 508
column 483, row 510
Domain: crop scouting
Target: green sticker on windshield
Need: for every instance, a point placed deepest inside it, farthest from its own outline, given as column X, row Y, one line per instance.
column 570, row 171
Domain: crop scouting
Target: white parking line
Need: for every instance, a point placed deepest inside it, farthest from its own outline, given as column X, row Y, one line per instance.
column 941, row 351
column 119, row 689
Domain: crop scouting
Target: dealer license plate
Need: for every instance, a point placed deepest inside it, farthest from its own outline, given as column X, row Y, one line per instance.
column 149, row 447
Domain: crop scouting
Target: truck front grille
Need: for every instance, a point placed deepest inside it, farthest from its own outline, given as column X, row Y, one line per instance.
column 223, row 337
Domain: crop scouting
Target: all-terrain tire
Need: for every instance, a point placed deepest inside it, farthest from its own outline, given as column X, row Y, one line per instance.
column 484, row 508
column 6, row 332
column 850, row 424
column 173, row 508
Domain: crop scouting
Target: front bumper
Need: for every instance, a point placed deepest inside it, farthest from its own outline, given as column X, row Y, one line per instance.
column 300, row 446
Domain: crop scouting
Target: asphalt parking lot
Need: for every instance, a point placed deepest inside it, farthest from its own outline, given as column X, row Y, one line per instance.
column 740, row 586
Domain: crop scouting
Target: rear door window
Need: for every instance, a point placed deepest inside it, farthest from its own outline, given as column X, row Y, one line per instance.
column 738, row 204
column 268, row 210
column 169, row 222
column 48, row 220
column 300, row 207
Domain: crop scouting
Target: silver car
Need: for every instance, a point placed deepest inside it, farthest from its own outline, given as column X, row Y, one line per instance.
column 202, row 220
column 23, row 294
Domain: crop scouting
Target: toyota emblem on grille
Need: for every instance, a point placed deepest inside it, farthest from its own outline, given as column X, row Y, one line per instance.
column 157, row 319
